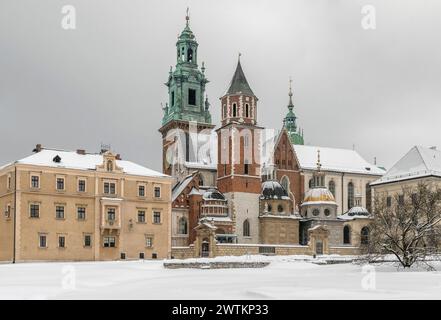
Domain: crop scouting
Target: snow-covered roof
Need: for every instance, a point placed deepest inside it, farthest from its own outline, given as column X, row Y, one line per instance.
column 88, row 161
column 335, row 159
column 180, row 186
column 356, row 212
column 418, row 162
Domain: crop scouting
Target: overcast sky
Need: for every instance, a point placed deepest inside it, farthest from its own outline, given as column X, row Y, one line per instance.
column 379, row 90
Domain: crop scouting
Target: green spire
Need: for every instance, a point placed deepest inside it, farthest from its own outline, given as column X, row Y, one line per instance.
column 186, row 83
column 289, row 122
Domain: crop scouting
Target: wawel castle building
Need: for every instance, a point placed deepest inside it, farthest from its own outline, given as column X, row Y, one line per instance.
column 236, row 184
column 72, row 205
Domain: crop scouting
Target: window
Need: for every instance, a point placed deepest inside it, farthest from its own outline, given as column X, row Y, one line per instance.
column 270, row 208
column 82, row 185
column 110, row 165
column 60, row 183
column 81, row 213
column 149, row 241
column 350, row 195
column 192, row 97
column 141, row 216
column 225, row 111
column 364, row 239
column 280, row 208
column 389, row 201
column 111, row 214
column 246, row 228
column 368, row 197
column 182, row 227
column 327, row 212
column 331, row 187
column 172, row 98
column 190, row 55
column 225, row 169
column 109, row 188
column 234, row 110
column 246, row 168
column 109, row 242
column 35, row 182
column 156, row 217
column 34, row 210
column 315, row 212
column 8, row 182
column 346, row 235
column 87, row 240
column 42, row 242
column 311, row 183
column 247, row 110
column 61, row 242
column 401, row 199
column 285, row 183
column 141, row 191
column 8, row 211
column 157, row 192
column 59, row 212
column 141, row 255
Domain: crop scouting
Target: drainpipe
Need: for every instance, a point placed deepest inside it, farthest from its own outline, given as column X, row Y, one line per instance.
column 342, row 193
column 15, row 214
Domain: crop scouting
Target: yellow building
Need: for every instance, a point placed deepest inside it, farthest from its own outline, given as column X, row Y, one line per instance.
column 67, row 205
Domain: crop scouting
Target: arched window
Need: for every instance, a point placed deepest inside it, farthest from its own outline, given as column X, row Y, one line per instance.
column 311, row 183
column 183, row 54
column 280, row 208
column 364, row 236
column 350, row 195
column 109, row 165
column 190, row 55
column 234, row 110
column 247, row 110
column 331, row 187
column 368, row 197
column 225, row 111
column 346, row 235
column 246, row 228
column 182, row 227
column 285, row 183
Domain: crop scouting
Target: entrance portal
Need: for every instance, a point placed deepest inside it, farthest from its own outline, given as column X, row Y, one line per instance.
column 205, row 252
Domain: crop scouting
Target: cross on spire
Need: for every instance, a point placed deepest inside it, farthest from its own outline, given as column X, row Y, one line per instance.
column 187, row 16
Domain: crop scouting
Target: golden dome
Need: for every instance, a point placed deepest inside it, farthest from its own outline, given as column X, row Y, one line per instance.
column 319, row 195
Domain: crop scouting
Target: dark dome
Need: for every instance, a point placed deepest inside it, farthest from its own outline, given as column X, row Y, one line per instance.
column 273, row 190
column 213, row 194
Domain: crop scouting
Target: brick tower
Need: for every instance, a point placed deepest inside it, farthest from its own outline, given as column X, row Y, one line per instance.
column 238, row 169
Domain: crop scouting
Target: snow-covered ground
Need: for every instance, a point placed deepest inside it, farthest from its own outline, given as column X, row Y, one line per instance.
column 286, row 277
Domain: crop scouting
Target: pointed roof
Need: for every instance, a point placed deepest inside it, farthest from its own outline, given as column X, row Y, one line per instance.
column 418, row 162
column 239, row 83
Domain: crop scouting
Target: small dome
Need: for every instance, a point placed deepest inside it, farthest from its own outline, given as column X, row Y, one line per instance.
column 319, row 194
column 213, row 194
column 273, row 190
column 358, row 211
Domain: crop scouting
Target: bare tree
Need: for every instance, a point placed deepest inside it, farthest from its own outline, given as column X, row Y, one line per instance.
column 406, row 224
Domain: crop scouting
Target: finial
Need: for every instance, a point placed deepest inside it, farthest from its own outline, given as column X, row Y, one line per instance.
column 319, row 165
column 187, row 17
column 238, row 57
column 203, row 67
column 290, row 86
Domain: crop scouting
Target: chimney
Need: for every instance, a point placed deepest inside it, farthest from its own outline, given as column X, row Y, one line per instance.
column 37, row 148
column 118, row 157
column 81, row 151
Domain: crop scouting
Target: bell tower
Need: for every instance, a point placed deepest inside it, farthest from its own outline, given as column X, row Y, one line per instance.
column 186, row 114
column 289, row 122
column 238, row 169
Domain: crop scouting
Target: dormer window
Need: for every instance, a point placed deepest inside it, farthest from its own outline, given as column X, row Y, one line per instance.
column 57, row 159
column 110, row 165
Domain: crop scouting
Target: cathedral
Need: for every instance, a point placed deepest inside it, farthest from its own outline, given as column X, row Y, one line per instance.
column 246, row 184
